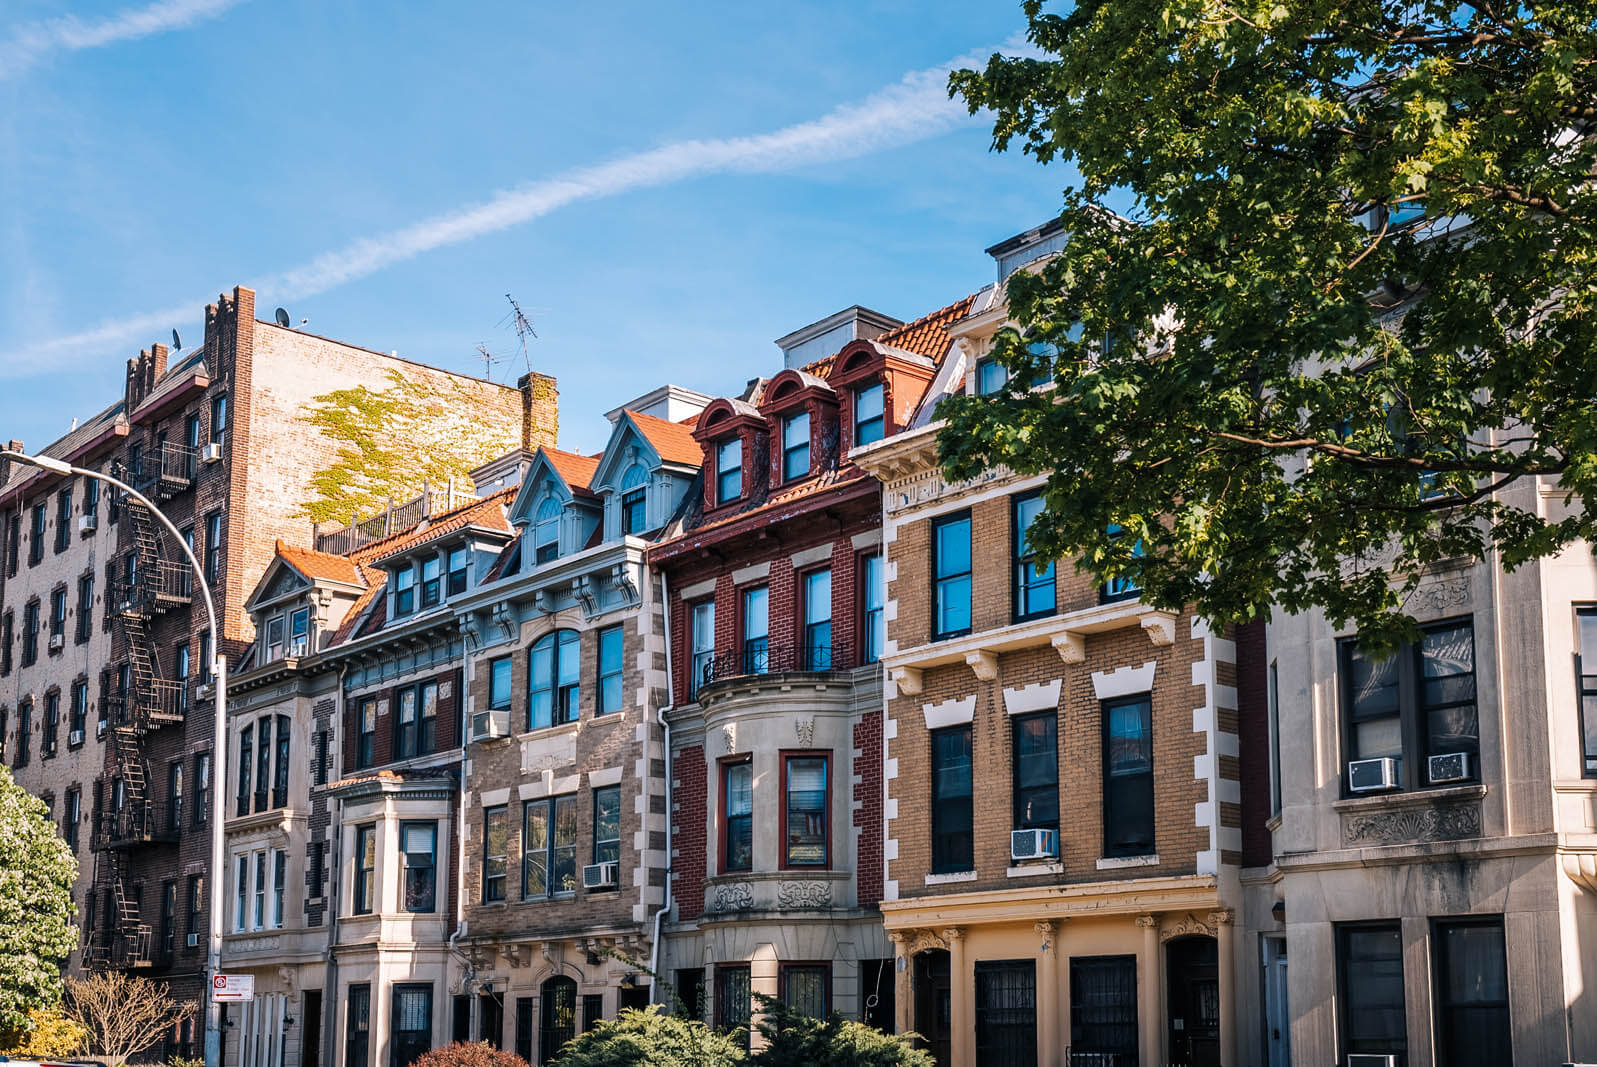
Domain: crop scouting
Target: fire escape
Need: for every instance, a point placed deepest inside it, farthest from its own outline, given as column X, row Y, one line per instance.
column 133, row 818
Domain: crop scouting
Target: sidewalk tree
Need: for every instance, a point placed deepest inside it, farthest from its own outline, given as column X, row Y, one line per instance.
column 123, row 1015
column 1344, row 317
column 37, row 870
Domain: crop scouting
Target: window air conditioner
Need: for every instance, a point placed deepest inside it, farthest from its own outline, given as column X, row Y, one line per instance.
column 87, row 524
column 1372, row 775
column 57, row 641
column 601, row 875
column 75, row 737
column 1371, row 1059
column 1033, row 844
column 489, row 724
column 211, row 453
column 194, row 941
column 1448, row 767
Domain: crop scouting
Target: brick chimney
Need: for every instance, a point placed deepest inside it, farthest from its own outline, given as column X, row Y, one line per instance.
column 540, row 410
column 143, row 373
column 12, row 445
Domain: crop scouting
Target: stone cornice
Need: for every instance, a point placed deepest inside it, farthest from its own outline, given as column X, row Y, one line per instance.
column 1129, row 897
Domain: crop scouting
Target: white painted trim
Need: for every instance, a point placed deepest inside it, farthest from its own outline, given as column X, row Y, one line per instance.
column 816, row 554
column 1034, row 869
column 951, row 878
column 697, row 589
column 868, row 539
column 1124, row 682
column 1040, row 696
column 949, row 712
column 607, row 776
column 1120, row 863
column 753, row 573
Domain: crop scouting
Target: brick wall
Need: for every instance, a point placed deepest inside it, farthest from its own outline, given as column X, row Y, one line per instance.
column 868, row 814
column 1253, row 714
column 690, row 833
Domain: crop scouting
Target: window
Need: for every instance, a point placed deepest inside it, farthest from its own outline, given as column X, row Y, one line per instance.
column 1585, row 684
column 365, row 732
column 30, row 633
column 73, row 816
column 36, row 540
column 610, row 645
column 869, row 424
column 358, row 1026
column 320, row 741
column 299, row 632
column 733, row 997
column 728, row 471
column 807, row 988
column 635, row 500
column 456, row 579
column 951, row 575
column 404, row 590
column 196, row 897
column 213, row 547
column 737, row 806
column 1273, row 698
column 703, row 660
column 365, row 868
column 85, row 628
column 5, row 725
column 1472, row 1021
column 607, row 824
column 14, row 540
column 495, row 847
column 1419, row 701
column 818, row 620
column 805, row 810
column 546, row 531
column 202, row 788
column 592, row 1011
column 1034, row 593
column 756, row 630
column 91, row 496
column 554, row 679
column 260, row 890
column 219, row 418
column 52, row 724
column 280, row 772
column 559, row 996
column 1006, row 1012
column 263, row 762
column 63, row 519
column 174, row 796
column 1128, row 776
column 549, row 847
column 191, row 442
column 523, row 1028
column 279, row 884
column 1036, row 771
column 500, row 672
column 181, row 671
column 168, row 917
column 406, row 727
column 1125, row 587
column 1103, row 1008
column 953, row 816
column 1370, row 988
column 7, row 636
column 432, row 589
column 418, row 846
column 795, row 446
column 58, row 613
column 873, row 628
column 79, row 720
column 413, row 1023
column 205, row 657
column 990, row 377
column 24, row 732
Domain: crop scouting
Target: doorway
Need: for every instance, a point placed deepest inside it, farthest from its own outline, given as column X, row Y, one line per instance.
column 1193, row 1000
column 1277, row 1023
column 310, row 1029
column 933, row 1013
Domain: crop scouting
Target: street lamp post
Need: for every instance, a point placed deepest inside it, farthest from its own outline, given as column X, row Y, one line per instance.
column 218, row 864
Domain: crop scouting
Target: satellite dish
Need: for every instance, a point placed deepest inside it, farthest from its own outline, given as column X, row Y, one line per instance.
column 282, row 318
column 177, row 342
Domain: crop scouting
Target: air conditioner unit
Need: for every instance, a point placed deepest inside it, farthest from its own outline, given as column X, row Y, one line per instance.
column 87, row 524
column 211, row 453
column 1372, row 775
column 75, row 737
column 601, row 875
column 492, row 723
column 1448, row 767
column 1033, row 844
column 100, row 728
column 194, row 941
column 57, row 641
column 1371, row 1059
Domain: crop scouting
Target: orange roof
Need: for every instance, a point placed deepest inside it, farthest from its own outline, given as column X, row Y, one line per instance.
column 489, row 513
column 313, row 564
column 576, row 469
column 673, row 440
column 928, row 335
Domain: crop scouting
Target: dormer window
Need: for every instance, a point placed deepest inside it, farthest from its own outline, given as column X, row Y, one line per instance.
column 404, row 591
column 635, row 500
column 546, row 531
column 432, row 590
column 728, row 471
column 796, row 446
column 990, row 377
column 869, row 423
column 457, row 571
column 299, row 632
column 274, row 638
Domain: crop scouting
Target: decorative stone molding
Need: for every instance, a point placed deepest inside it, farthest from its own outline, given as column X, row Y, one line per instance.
column 1222, row 917
column 803, row 896
column 924, row 940
column 949, row 713
column 1188, row 925
column 1160, row 627
column 729, row 738
column 1046, row 929
column 1427, row 822
column 1040, row 696
column 1147, row 922
column 985, row 664
column 1581, row 867
column 953, row 934
column 1441, row 598
column 1072, row 647
column 908, row 680
column 805, row 729
column 1123, row 682
column 738, row 896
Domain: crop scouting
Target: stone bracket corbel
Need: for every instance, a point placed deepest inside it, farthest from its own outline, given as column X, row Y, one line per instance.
column 1160, row 626
column 908, row 679
column 1072, row 647
column 984, row 663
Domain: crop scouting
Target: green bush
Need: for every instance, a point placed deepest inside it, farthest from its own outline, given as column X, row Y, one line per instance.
column 794, row 1039
column 653, row 1038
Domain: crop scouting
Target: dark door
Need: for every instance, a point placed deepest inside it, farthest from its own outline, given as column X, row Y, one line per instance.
column 412, row 1023
column 310, row 1034
column 559, row 1018
column 1006, row 1013
column 1193, row 967
column 933, row 1021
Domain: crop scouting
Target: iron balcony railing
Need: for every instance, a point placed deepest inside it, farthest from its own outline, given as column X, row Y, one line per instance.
column 166, row 470
column 138, row 823
column 762, row 657
column 157, row 587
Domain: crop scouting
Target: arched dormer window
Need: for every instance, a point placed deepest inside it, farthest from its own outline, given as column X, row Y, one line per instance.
column 869, row 421
column 546, row 531
column 635, row 500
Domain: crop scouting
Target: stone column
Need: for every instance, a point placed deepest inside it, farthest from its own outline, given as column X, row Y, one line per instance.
column 961, row 999
column 1062, row 969
column 1225, row 934
column 1148, row 972
column 903, row 983
column 1047, row 993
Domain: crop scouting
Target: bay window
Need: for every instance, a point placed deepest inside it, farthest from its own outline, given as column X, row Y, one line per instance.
column 737, row 806
column 418, row 847
column 365, row 868
column 806, row 839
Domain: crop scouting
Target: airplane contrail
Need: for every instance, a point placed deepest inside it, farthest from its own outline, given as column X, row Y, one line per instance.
column 34, row 41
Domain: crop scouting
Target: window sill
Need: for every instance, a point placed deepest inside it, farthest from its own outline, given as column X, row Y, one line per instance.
column 1120, row 863
column 1413, row 798
column 951, row 878
column 558, row 728
column 1032, row 870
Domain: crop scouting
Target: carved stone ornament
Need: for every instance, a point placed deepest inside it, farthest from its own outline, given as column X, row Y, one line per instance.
column 805, row 728
column 729, row 736
column 738, row 896
column 1188, row 925
column 803, row 896
column 922, row 941
column 1434, row 822
column 1442, row 598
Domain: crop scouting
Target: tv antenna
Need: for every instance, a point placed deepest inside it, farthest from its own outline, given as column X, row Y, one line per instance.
column 488, row 360
column 523, row 329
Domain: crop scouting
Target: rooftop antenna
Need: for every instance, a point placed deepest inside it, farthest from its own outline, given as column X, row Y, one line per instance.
column 523, row 329
column 177, row 342
column 488, row 360
column 282, row 318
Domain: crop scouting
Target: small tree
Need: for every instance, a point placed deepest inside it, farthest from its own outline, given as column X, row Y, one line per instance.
column 469, row 1054
column 123, row 1015
column 653, row 1038
column 50, row 1034
column 37, row 870
column 794, row 1039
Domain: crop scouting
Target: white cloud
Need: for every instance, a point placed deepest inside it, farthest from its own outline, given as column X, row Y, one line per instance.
column 915, row 108
column 34, row 41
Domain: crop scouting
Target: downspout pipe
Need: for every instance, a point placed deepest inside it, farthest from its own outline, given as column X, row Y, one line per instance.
column 670, row 705
column 330, row 997
column 468, row 969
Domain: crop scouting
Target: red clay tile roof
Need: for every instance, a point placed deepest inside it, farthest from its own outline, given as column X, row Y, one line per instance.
column 928, row 335
column 488, row 513
column 313, row 564
column 673, row 440
column 576, row 469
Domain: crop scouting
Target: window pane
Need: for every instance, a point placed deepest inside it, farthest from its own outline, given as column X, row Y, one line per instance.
column 1036, row 773
column 1447, row 670
column 607, row 824
column 990, row 376
column 806, row 811
column 806, row 988
column 563, row 864
column 610, row 643
column 756, row 613
column 1473, row 1017
column 1372, row 989
column 499, row 683
column 739, row 816
column 952, row 812
column 535, row 849
column 540, row 673
column 953, row 548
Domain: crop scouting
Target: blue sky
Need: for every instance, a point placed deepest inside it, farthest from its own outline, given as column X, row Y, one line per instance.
column 665, row 188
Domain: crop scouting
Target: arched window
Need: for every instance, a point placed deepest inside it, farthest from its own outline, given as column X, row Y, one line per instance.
column 553, row 674
column 635, row 500
column 546, row 531
column 559, row 1022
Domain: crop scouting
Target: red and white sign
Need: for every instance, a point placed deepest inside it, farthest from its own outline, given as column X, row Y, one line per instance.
column 232, row 987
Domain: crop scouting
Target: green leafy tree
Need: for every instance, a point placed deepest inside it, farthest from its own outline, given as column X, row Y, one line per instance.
column 37, row 934
column 654, row 1038
column 793, row 1039
column 1341, row 326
